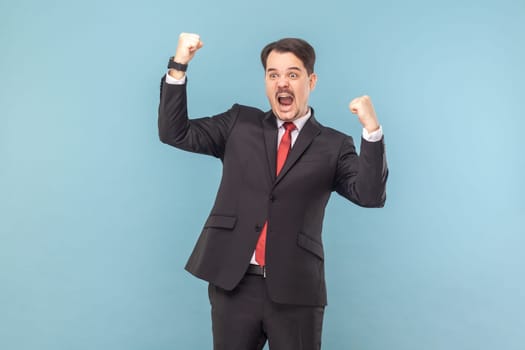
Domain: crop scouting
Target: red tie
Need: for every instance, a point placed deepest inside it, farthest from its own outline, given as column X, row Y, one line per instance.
column 282, row 152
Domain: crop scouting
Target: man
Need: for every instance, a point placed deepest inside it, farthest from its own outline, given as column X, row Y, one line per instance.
column 260, row 248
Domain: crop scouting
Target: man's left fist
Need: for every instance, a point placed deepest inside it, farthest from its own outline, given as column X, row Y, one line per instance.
column 362, row 106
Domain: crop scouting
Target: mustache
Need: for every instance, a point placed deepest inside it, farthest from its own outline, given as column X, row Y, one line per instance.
column 286, row 91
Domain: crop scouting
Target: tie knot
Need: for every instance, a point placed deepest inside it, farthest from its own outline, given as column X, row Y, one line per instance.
column 289, row 126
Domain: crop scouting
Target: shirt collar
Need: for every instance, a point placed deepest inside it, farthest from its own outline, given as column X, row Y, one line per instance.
column 299, row 122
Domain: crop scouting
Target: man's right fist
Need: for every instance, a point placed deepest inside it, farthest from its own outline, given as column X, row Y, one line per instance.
column 188, row 45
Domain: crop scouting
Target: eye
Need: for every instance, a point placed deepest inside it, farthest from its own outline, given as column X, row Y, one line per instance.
column 293, row 75
column 273, row 76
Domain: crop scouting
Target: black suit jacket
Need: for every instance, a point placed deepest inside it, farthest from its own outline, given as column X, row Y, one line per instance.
column 321, row 161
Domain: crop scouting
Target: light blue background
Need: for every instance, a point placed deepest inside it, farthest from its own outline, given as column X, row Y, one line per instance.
column 98, row 217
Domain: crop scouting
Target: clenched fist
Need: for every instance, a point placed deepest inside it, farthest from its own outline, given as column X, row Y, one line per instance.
column 362, row 106
column 188, row 45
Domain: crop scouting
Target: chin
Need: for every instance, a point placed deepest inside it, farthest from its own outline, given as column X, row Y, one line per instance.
column 286, row 116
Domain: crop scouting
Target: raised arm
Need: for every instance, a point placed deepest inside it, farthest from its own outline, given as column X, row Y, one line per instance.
column 204, row 135
column 362, row 179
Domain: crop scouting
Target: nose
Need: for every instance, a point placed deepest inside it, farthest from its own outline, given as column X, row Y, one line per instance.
column 282, row 82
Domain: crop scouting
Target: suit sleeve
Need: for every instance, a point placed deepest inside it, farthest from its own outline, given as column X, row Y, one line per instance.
column 203, row 135
column 362, row 178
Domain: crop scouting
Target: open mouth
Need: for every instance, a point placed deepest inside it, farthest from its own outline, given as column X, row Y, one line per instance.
column 285, row 99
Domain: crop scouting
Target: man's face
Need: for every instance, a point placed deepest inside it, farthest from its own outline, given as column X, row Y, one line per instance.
column 288, row 85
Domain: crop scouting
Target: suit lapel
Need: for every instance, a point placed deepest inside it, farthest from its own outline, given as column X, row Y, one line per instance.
column 270, row 140
column 309, row 131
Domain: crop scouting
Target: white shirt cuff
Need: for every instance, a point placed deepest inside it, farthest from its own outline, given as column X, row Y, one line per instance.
column 373, row 136
column 171, row 80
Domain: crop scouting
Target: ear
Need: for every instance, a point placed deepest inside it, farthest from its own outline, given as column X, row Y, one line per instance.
column 313, row 81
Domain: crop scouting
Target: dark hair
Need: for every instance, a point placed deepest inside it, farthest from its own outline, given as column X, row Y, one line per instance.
column 299, row 47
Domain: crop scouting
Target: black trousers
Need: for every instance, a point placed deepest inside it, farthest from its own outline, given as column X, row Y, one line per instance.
column 245, row 318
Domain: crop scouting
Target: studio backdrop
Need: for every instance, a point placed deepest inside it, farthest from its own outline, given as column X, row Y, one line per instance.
column 98, row 217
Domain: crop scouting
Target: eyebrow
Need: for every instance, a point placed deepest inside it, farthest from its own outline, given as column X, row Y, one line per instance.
column 289, row 68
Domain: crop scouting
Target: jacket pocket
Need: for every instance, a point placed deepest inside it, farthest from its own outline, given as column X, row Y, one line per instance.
column 221, row 221
column 310, row 245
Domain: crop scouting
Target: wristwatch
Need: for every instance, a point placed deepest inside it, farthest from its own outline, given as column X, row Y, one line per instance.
column 176, row 65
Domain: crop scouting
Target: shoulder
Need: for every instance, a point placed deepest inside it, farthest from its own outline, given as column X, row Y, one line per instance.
column 247, row 114
column 327, row 131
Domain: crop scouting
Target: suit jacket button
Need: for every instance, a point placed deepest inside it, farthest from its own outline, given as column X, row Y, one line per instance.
column 258, row 228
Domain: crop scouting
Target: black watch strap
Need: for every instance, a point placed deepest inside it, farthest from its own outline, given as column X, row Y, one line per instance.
column 176, row 65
